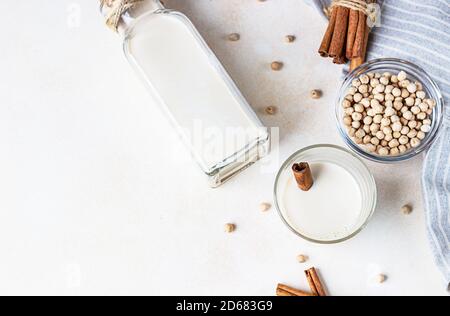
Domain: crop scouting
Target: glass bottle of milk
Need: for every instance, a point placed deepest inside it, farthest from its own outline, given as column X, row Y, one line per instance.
column 188, row 81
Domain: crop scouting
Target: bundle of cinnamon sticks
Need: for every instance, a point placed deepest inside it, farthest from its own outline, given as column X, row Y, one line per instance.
column 346, row 36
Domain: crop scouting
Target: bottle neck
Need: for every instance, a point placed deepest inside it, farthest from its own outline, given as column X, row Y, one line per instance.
column 139, row 8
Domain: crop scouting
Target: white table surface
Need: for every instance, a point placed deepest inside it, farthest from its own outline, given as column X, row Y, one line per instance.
column 89, row 203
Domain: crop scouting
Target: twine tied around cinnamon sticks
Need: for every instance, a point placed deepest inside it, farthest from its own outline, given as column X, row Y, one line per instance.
column 114, row 9
column 358, row 5
column 348, row 31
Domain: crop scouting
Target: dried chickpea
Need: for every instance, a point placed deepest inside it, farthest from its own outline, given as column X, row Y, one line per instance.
column 264, row 207
column 406, row 209
column 348, row 120
column 359, row 108
column 421, row 116
column 420, row 135
column 421, row 94
column 412, row 124
column 302, row 258
column 383, row 151
column 402, row 149
column 365, row 79
column 415, row 142
column 425, row 128
column 229, row 228
column 316, row 94
column 381, row 278
column 415, row 110
column 412, row 133
column 234, row 37
column 356, row 124
column 405, row 130
column 403, row 140
column 394, row 151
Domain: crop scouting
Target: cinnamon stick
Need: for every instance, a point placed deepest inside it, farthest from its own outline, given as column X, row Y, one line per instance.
column 326, row 41
column 303, row 175
column 339, row 60
column 358, row 46
column 281, row 292
column 311, row 284
column 284, row 290
column 359, row 60
column 353, row 21
column 314, row 282
column 340, row 32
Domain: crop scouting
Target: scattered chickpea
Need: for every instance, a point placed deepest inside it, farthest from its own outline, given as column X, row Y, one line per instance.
column 381, row 278
column 276, row 65
column 406, row 209
column 234, row 37
column 316, row 94
column 229, row 228
column 302, row 258
column 271, row 110
column 290, row 38
column 264, row 206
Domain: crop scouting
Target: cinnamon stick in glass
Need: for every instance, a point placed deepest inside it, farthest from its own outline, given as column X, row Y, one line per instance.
column 303, row 175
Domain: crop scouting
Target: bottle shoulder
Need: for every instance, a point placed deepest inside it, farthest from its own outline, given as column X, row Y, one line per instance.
column 161, row 26
column 153, row 19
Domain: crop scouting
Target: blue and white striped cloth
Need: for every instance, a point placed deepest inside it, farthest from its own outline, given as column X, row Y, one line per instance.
column 417, row 30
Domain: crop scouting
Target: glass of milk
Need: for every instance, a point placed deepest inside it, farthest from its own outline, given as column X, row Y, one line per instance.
column 197, row 95
column 340, row 202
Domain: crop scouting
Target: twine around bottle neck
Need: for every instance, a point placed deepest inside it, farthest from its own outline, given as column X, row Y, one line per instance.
column 114, row 9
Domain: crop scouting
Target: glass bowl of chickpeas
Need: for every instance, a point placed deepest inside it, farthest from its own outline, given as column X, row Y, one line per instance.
column 389, row 110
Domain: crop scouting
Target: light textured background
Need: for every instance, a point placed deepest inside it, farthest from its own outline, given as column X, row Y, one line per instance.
column 89, row 197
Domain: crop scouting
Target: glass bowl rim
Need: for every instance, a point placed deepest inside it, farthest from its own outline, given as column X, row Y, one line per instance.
column 429, row 139
column 371, row 179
